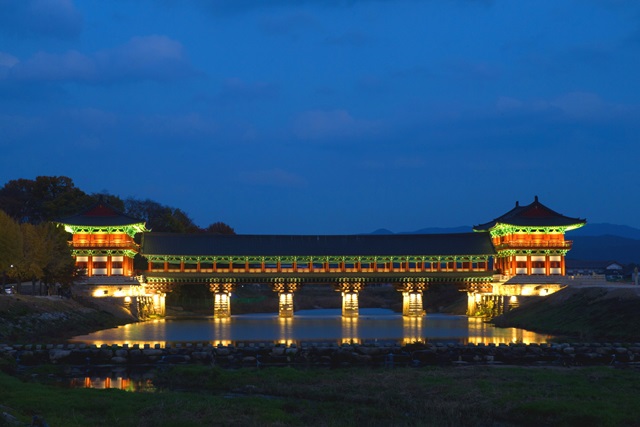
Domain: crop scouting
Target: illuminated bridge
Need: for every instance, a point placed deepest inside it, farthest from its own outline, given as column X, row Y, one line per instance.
column 347, row 263
column 520, row 253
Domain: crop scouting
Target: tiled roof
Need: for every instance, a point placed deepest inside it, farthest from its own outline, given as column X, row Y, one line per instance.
column 100, row 215
column 301, row 245
column 533, row 215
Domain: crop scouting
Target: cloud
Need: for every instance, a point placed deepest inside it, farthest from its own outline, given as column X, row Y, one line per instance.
column 191, row 126
column 153, row 57
column 6, row 63
column 43, row 66
column 237, row 89
column 572, row 105
column 273, row 178
column 320, row 125
column 473, row 70
column 239, row 6
column 49, row 18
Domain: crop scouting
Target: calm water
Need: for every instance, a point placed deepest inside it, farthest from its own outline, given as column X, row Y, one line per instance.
column 313, row 325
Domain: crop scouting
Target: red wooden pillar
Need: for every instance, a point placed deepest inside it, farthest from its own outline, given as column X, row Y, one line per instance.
column 547, row 265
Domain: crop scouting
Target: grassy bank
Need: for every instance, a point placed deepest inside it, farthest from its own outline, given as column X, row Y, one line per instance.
column 29, row 319
column 471, row 396
column 586, row 314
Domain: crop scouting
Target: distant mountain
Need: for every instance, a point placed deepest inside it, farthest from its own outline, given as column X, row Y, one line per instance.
column 442, row 230
column 604, row 229
column 382, row 231
column 593, row 242
column 605, row 248
column 430, row 230
column 605, row 242
column 599, row 229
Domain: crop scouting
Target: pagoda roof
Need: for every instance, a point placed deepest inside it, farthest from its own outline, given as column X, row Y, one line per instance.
column 533, row 215
column 101, row 214
column 174, row 244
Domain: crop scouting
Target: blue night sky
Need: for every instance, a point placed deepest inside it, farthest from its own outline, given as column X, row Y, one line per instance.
column 329, row 116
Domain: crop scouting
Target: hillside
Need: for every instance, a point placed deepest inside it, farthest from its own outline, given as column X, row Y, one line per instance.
column 602, row 248
column 585, row 314
column 27, row 319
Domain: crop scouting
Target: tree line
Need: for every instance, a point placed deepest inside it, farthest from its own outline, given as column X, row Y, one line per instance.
column 36, row 252
column 33, row 248
column 51, row 198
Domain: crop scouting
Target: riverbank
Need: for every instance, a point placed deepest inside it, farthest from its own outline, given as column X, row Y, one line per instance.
column 78, row 358
column 45, row 319
column 607, row 313
column 470, row 396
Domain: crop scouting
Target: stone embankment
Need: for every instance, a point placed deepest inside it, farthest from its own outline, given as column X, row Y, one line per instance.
column 326, row 354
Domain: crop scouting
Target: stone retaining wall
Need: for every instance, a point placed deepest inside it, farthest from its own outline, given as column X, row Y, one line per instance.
column 325, row 354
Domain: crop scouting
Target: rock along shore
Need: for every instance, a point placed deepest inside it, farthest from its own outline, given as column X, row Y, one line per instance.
column 324, row 354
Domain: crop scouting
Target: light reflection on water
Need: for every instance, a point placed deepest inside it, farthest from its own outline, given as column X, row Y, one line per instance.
column 117, row 382
column 314, row 325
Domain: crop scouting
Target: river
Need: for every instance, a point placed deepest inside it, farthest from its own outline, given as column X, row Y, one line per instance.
column 320, row 325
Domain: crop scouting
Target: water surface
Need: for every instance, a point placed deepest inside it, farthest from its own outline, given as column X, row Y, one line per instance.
column 373, row 325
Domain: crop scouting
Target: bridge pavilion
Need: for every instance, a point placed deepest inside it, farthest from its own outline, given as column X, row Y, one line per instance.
column 517, row 254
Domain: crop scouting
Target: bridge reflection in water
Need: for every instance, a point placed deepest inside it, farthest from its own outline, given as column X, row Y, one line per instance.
column 313, row 327
column 118, row 382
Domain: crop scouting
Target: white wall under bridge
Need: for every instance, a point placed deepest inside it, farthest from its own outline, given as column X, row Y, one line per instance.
column 507, row 293
column 134, row 298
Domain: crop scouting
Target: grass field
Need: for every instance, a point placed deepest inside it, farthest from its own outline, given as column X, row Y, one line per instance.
column 462, row 396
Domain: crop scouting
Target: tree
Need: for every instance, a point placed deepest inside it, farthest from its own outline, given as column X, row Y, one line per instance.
column 34, row 255
column 160, row 218
column 10, row 246
column 220, row 228
column 60, row 265
column 46, row 198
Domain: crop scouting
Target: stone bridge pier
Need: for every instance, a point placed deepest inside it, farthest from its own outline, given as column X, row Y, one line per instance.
column 349, row 287
column 412, row 289
column 285, row 289
column 221, row 290
column 152, row 303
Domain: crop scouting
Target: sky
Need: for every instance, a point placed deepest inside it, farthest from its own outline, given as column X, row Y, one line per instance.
column 329, row 116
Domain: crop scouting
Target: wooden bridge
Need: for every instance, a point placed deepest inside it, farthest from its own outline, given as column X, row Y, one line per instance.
column 517, row 254
column 347, row 263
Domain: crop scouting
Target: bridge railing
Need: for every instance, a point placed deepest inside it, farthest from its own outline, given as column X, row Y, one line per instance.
column 173, row 268
column 123, row 245
column 567, row 244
